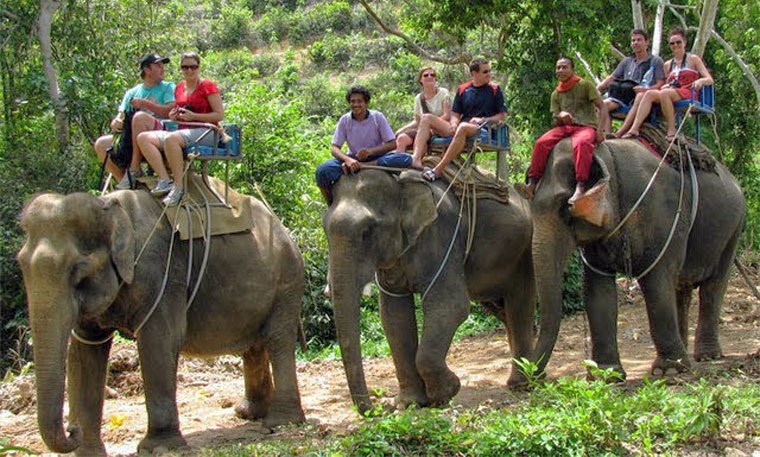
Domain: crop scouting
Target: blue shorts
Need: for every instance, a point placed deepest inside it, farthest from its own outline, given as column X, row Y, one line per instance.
column 329, row 172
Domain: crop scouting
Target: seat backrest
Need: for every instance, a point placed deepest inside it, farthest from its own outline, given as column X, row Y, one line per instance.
column 707, row 96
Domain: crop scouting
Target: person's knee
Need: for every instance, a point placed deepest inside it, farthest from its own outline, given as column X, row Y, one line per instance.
column 103, row 143
column 175, row 139
column 142, row 122
column 143, row 139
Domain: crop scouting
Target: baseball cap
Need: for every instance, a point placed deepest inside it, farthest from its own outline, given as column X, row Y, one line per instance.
column 152, row 58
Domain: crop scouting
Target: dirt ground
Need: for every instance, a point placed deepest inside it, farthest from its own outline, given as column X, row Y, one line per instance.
column 208, row 390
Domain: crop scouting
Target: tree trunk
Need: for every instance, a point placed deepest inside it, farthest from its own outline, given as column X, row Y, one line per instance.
column 44, row 25
column 706, row 22
column 657, row 33
column 638, row 16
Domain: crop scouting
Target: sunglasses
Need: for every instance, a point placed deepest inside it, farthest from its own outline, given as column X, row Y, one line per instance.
column 189, row 67
column 673, row 43
column 428, row 75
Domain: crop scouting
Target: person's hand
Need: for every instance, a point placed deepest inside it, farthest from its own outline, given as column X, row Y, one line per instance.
column 351, row 165
column 565, row 118
column 476, row 120
column 363, row 154
column 600, row 136
column 174, row 113
column 639, row 89
column 117, row 124
column 184, row 114
column 697, row 85
column 138, row 103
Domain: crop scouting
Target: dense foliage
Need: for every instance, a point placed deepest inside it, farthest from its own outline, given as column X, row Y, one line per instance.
column 569, row 417
column 283, row 66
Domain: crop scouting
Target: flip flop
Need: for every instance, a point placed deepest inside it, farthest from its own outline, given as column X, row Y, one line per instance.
column 429, row 175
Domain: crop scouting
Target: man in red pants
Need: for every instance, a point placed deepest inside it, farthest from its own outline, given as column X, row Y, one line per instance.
column 573, row 105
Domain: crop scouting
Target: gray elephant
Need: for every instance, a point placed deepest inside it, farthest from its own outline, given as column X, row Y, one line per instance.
column 82, row 272
column 656, row 244
column 389, row 226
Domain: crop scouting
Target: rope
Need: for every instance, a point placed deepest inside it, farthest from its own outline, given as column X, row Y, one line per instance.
column 386, row 292
column 641, row 198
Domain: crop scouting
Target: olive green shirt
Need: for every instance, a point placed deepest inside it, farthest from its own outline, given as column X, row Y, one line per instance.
column 578, row 101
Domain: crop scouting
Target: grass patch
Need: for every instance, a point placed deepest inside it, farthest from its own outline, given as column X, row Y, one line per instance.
column 566, row 417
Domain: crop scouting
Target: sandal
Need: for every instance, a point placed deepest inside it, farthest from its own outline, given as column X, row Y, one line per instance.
column 631, row 136
column 429, row 175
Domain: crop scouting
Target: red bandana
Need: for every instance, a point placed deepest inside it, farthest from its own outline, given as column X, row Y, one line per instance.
column 568, row 84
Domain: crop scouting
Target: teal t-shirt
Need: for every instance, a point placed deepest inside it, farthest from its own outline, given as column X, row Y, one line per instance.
column 162, row 93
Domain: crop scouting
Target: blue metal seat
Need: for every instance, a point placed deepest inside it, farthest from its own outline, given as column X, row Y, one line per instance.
column 225, row 148
column 702, row 105
column 492, row 137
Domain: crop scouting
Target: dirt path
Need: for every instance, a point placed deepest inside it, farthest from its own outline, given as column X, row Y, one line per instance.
column 209, row 389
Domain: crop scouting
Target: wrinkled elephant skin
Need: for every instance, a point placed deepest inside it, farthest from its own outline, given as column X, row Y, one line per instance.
column 697, row 256
column 80, row 274
column 389, row 226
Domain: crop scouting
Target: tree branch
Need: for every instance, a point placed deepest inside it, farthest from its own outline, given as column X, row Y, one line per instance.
column 744, row 67
column 706, row 26
column 657, row 34
column 462, row 58
column 638, row 15
column 588, row 68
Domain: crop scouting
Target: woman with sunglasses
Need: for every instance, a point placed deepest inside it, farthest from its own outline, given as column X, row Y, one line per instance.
column 432, row 111
column 197, row 100
column 685, row 71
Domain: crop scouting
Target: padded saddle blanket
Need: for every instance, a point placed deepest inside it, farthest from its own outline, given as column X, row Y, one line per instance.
column 190, row 217
column 701, row 157
column 479, row 182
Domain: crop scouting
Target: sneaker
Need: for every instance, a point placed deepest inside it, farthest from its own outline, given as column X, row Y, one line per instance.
column 174, row 197
column 163, row 187
column 129, row 180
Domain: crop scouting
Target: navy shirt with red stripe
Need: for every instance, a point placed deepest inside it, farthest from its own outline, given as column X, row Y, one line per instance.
column 478, row 101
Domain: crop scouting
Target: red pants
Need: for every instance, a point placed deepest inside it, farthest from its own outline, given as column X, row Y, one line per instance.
column 583, row 138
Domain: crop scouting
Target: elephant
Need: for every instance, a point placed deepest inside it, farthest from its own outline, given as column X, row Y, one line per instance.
column 698, row 254
column 388, row 227
column 93, row 265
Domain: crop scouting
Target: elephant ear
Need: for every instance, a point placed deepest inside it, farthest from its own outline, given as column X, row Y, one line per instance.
column 595, row 206
column 417, row 208
column 122, row 240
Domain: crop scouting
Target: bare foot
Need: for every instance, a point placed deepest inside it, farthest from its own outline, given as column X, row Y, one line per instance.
column 580, row 189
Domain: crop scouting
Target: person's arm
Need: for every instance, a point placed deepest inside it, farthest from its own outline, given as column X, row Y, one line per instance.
column 604, row 116
column 605, row 83
column 386, row 135
column 161, row 110
column 382, row 149
column 350, row 164
column 216, row 115
column 455, row 119
column 706, row 78
column 446, row 116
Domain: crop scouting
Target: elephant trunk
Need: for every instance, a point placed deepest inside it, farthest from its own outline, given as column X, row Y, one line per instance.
column 50, row 332
column 346, row 281
column 552, row 246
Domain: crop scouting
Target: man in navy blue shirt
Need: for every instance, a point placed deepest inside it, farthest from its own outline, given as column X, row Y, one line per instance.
column 477, row 102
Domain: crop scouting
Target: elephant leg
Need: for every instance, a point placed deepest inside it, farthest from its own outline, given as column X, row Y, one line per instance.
column 600, row 296
column 711, row 293
column 281, row 334
column 87, row 368
column 660, row 295
column 400, row 327
column 443, row 311
column 158, row 362
column 519, row 309
column 259, row 389
column 683, row 301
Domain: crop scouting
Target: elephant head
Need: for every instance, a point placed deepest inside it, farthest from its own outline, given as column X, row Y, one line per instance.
column 78, row 250
column 375, row 217
column 559, row 228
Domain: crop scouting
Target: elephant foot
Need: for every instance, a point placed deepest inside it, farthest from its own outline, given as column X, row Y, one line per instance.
column 704, row 352
column 517, row 380
column 94, row 450
column 405, row 398
column 276, row 418
column 443, row 389
column 155, row 444
column 618, row 374
column 670, row 367
column 251, row 410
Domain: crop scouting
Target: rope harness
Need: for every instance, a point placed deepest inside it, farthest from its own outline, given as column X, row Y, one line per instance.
column 191, row 209
column 694, row 206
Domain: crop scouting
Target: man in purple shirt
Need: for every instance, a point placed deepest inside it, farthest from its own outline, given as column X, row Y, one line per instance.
column 370, row 140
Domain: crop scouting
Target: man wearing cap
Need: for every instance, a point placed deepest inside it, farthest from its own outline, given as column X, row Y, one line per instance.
column 150, row 101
